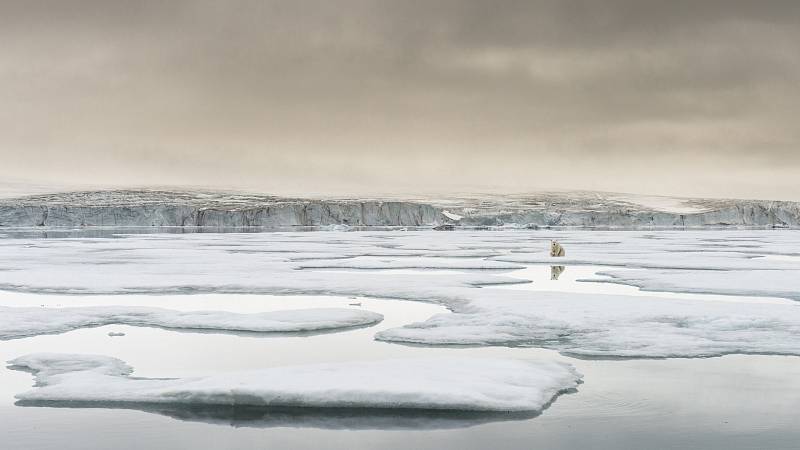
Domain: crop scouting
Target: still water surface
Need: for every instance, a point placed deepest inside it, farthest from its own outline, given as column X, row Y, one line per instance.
column 732, row 402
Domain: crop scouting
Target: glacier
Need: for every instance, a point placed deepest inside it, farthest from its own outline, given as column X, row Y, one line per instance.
column 457, row 270
column 436, row 384
column 21, row 322
column 176, row 208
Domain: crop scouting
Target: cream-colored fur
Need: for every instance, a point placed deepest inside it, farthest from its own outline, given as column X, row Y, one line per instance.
column 556, row 249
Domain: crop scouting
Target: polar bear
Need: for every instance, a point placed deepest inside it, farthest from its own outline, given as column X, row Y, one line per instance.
column 556, row 249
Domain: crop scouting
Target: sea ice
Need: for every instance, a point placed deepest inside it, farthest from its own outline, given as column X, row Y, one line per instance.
column 766, row 283
column 763, row 263
column 595, row 325
column 377, row 263
column 18, row 323
column 437, row 384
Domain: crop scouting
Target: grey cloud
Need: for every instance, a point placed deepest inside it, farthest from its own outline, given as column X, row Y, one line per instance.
column 393, row 95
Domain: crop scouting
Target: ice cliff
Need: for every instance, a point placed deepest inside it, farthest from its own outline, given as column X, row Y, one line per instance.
column 212, row 209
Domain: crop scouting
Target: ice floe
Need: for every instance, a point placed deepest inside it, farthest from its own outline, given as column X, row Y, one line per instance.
column 368, row 262
column 438, row 268
column 435, row 384
column 22, row 322
column 595, row 325
column 771, row 283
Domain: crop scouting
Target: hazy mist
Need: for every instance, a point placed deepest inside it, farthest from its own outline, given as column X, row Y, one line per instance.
column 696, row 98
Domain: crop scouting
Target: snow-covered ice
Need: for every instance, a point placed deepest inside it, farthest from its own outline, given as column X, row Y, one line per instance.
column 439, row 384
column 596, row 325
column 770, row 282
column 370, row 262
column 440, row 268
column 22, row 322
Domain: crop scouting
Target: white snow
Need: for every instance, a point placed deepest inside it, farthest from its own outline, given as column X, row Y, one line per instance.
column 745, row 262
column 440, row 384
column 660, row 203
column 17, row 323
column 451, row 216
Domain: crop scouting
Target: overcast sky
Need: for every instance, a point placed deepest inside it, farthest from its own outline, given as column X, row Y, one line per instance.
column 663, row 97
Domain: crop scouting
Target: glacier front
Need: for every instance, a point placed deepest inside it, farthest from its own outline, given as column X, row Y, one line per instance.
column 160, row 208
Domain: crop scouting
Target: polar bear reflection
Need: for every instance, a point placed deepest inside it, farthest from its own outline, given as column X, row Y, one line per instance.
column 555, row 272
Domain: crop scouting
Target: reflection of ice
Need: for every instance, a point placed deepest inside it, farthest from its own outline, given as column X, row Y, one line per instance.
column 322, row 418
